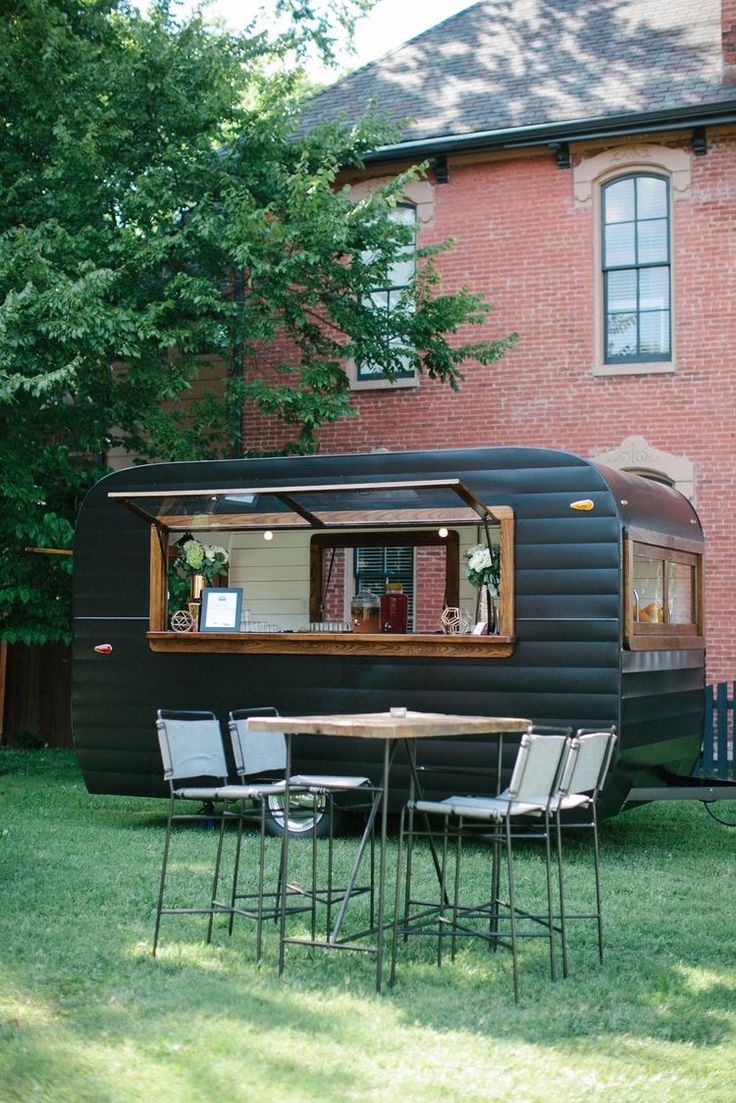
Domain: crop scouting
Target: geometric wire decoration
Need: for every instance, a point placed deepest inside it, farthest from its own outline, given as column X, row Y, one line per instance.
column 455, row 622
column 182, row 621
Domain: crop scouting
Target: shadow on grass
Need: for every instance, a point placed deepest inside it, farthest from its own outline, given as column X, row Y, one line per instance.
column 81, row 883
column 203, row 1007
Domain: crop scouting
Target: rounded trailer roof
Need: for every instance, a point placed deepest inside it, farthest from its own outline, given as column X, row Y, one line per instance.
column 491, row 474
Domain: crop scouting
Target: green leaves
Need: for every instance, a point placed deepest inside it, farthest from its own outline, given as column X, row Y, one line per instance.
column 171, row 254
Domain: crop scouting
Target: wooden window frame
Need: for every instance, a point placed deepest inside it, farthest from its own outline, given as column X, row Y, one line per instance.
column 658, row 636
column 411, row 645
column 321, row 541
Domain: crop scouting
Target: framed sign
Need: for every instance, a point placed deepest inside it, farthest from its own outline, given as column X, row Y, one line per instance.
column 220, row 609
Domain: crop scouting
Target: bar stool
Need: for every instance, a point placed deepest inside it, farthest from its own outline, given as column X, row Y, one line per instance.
column 522, row 811
column 192, row 751
column 262, row 755
column 582, row 781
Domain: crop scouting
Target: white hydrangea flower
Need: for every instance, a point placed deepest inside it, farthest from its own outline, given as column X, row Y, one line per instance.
column 481, row 566
column 206, row 559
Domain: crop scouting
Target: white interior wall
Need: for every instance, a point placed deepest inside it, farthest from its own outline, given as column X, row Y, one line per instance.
column 274, row 574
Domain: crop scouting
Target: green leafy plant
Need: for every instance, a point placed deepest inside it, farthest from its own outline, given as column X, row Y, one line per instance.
column 483, row 565
column 159, row 218
column 194, row 557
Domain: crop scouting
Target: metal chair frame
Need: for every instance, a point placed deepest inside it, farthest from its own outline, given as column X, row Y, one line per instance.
column 201, row 756
column 522, row 811
column 582, row 781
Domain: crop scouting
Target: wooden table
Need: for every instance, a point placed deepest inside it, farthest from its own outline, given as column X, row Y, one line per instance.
column 394, row 731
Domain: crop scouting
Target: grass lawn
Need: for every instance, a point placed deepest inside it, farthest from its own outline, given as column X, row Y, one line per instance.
column 87, row 1014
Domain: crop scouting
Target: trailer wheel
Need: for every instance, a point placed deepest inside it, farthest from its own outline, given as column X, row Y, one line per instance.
column 723, row 813
column 302, row 810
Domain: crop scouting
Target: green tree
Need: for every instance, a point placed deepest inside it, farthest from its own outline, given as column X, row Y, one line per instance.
column 155, row 209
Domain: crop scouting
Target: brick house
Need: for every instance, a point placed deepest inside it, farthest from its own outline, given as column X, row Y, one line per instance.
column 584, row 159
column 561, row 137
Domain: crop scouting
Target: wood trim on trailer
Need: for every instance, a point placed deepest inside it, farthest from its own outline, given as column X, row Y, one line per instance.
column 158, row 580
column 335, row 643
column 410, row 645
column 662, row 635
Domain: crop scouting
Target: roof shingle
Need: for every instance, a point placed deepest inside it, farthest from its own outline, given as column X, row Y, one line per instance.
column 507, row 64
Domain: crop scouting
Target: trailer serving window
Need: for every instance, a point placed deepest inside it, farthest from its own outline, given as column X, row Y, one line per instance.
column 664, row 593
column 282, row 543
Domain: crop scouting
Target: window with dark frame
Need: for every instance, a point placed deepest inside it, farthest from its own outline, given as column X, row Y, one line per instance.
column 374, row 567
column 384, row 300
column 636, row 269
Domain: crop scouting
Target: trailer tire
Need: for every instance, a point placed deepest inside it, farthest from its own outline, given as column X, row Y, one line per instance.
column 301, row 817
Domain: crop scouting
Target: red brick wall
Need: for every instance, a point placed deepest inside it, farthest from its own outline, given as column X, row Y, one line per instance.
column 524, row 243
column 334, row 596
column 430, row 597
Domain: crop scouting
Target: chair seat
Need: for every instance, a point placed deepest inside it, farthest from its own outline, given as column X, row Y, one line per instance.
column 202, row 792
column 296, row 782
column 573, row 800
column 482, row 808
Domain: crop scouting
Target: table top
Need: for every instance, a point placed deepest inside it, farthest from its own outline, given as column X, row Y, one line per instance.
column 386, row 725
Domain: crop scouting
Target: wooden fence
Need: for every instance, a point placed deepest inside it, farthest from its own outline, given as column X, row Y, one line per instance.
column 35, row 695
column 717, row 752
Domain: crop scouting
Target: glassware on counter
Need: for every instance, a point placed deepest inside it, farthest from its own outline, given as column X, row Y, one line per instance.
column 394, row 608
column 365, row 612
column 330, row 626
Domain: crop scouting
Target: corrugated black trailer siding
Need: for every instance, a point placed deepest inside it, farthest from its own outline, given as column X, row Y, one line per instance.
column 567, row 665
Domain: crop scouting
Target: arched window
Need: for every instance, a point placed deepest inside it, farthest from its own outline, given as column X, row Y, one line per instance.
column 653, row 476
column 635, row 252
column 637, row 455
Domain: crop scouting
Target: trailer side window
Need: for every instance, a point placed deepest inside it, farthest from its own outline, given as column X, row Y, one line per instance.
column 292, row 555
column 664, row 597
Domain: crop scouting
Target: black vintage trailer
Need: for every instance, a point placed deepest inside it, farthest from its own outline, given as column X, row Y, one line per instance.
column 599, row 618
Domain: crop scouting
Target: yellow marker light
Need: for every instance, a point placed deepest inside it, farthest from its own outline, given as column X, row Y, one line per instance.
column 582, row 504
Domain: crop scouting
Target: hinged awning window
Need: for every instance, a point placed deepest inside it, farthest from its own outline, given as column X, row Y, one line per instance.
column 339, row 505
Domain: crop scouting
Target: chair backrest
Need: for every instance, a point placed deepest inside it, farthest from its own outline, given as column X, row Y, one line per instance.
column 191, row 744
column 539, row 765
column 588, row 764
column 256, row 753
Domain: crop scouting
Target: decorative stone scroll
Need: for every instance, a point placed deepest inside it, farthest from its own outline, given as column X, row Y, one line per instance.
column 642, row 157
column 637, row 455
